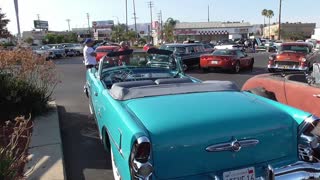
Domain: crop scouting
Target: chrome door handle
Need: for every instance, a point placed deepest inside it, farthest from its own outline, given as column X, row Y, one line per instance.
column 316, row 95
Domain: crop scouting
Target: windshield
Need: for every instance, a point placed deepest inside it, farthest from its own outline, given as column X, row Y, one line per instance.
column 223, row 53
column 138, row 66
column 295, row 48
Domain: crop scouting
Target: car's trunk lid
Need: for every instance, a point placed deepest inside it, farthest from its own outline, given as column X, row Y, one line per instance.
column 181, row 127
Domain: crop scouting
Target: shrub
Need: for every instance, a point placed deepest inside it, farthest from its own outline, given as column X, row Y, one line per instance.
column 14, row 142
column 27, row 82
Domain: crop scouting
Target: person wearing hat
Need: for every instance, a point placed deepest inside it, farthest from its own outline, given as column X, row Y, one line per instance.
column 88, row 54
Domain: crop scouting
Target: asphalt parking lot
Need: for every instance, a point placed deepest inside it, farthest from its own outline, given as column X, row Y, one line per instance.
column 84, row 156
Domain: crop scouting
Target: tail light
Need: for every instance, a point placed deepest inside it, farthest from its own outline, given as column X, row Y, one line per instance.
column 309, row 142
column 140, row 166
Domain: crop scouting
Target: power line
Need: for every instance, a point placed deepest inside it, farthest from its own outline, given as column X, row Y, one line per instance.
column 127, row 16
column 279, row 28
column 150, row 5
column 68, row 20
column 38, row 15
column 208, row 13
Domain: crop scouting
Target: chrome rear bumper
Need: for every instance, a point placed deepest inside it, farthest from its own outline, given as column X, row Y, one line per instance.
column 298, row 170
column 288, row 67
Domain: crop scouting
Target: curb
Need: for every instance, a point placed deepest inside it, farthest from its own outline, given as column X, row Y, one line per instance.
column 46, row 148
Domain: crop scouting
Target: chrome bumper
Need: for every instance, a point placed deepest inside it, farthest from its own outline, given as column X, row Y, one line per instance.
column 288, row 67
column 298, row 170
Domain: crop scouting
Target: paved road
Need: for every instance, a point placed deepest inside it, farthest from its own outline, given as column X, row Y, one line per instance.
column 83, row 153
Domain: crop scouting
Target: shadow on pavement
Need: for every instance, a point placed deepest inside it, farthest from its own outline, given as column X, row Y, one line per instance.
column 256, row 71
column 83, row 151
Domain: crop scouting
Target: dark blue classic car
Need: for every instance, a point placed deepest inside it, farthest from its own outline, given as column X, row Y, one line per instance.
column 159, row 123
column 189, row 53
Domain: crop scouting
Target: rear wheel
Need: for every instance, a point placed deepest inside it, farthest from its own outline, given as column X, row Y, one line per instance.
column 205, row 70
column 251, row 65
column 236, row 68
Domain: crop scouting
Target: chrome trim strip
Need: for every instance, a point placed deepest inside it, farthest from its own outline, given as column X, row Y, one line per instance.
column 234, row 145
column 298, row 170
column 309, row 120
column 114, row 142
column 270, row 173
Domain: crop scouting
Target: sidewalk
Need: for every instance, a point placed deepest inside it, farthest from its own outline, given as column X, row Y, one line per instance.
column 46, row 149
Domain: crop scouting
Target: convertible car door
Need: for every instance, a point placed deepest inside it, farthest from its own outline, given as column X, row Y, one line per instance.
column 302, row 95
column 244, row 61
column 96, row 97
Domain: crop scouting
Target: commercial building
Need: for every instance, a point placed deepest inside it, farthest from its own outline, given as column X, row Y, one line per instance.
column 306, row 29
column 316, row 34
column 82, row 33
column 212, row 31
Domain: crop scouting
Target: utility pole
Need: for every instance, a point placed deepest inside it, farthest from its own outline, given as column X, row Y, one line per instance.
column 38, row 15
column 88, row 17
column 127, row 16
column 135, row 17
column 160, row 21
column 150, row 4
column 208, row 13
column 68, row 20
column 279, row 28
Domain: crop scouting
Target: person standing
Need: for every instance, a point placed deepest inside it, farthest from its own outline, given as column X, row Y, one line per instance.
column 124, row 59
column 88, row 54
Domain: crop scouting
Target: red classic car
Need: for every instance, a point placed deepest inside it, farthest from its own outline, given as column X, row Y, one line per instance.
column 292, row 56
column 104, row 50
column 295, row 88
column 230, row 59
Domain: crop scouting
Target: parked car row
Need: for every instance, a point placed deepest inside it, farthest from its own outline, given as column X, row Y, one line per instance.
column 53, row 51
column 148, row 122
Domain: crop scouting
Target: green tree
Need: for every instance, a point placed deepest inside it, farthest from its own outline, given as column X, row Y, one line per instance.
column 131, row 36
column 4, row 33
column 118, row 33
column 49, row 39
column 270, row 14
column 169, row 28
column 29, row 40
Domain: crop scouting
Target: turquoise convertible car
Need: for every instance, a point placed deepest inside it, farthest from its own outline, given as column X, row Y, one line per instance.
column 159, row 123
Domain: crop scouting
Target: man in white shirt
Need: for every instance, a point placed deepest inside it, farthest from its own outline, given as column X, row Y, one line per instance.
column 88, row 54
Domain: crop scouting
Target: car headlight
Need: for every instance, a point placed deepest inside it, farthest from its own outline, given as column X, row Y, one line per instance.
column 309, row 140
column 303, row 60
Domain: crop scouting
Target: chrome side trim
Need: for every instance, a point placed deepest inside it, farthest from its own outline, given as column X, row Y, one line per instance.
column 234, row 145
column 270, row 173
column 298, row 170
column 306, row 123
column 114, row 142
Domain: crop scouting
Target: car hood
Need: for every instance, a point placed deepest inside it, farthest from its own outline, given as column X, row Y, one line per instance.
column 291, row 56
column 181, row 127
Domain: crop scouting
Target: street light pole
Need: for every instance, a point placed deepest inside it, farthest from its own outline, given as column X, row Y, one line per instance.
column 18, row 22
column 88, row 16
column 279, row 28
column 68, row 20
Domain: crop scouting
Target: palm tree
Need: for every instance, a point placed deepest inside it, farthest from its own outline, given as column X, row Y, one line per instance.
column 264, row 14
column 270, row 14
column 168, row 29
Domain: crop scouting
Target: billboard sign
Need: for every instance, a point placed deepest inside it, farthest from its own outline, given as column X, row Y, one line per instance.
column 102, row 24
column 38, row 24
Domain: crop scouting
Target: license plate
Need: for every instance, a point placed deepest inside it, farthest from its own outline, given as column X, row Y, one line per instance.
column 214, row 62
column 285, row 67
column 241, row 174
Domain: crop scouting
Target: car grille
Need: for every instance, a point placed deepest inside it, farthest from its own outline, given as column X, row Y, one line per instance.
column 305, row 153
column 287, row 63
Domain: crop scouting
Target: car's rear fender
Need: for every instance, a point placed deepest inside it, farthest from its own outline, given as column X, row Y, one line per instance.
column 298, row 115
column 122, row 129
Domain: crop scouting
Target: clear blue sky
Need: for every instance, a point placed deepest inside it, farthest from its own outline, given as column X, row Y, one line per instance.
column 57, row 11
